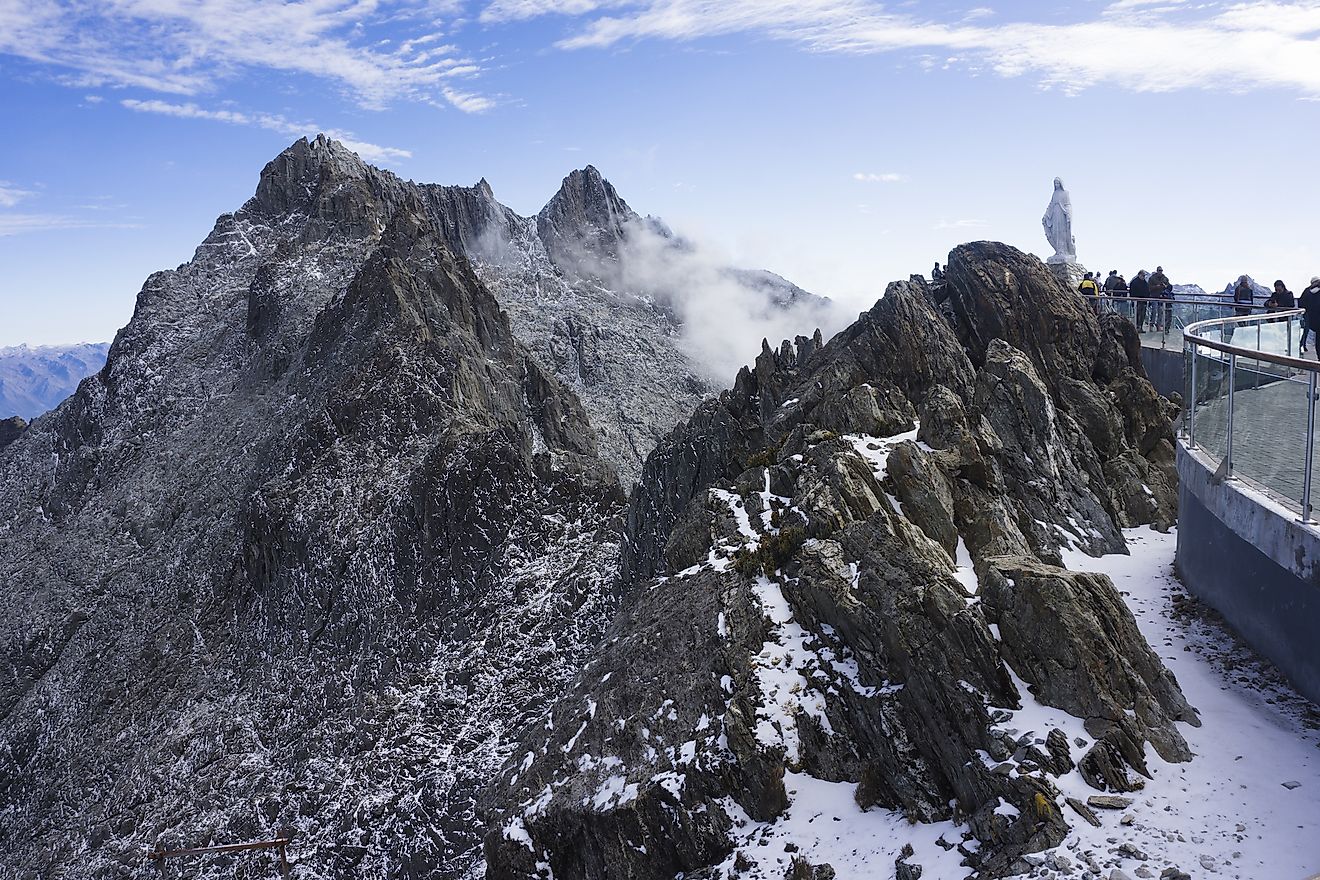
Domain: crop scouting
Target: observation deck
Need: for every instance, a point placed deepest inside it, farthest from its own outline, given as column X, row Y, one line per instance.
column 1248, row 541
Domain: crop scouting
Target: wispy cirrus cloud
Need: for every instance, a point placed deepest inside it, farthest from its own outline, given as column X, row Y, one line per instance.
column 188, row 47
column 521, row 10
column 17, row 224
column 269, row 121
column 468, row 102
column 1238, row 46
column 11, row 195
column 872, row 177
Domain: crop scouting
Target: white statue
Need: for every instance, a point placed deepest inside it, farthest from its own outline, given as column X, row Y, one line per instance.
column 1058, row 225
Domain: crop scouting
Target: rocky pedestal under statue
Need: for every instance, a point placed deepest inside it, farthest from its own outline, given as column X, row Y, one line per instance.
column 1058, row 231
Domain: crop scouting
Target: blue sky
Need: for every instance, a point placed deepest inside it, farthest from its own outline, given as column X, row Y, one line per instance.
column 841, row 143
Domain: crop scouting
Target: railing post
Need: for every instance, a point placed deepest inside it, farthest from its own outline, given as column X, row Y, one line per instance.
column 1310, row 448
column 1288, row 321
column 1232, row 387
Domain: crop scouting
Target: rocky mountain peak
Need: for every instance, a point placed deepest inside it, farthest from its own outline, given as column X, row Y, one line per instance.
column 334, row 399
column 585, row 221
column 325, row 180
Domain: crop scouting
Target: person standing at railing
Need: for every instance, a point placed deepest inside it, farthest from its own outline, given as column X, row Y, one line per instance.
column 1160, row 288
column 1091, row 291
column 1115, row 286
column 1243, row 296
column 1282, row 298
column 1309, row 302
column 1140, row 291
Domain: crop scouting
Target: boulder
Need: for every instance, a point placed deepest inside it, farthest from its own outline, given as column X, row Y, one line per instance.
column 1071, row 636
column 10, row 428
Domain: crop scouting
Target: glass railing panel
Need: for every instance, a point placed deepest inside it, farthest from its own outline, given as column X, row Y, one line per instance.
column 1273, row 334
column 1269, row 427
column 1210, row 402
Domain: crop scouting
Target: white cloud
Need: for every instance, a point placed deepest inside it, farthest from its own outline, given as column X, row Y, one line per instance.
column 11, row 195
column 871, row 177
column 466, row 101
column 520, row 10
column 93, row 99
column 960, row 224
column 187, row 47
column 271, row 122
column 725, row 315
column 1244, row 46
column 1124, row 6
column 16, row 224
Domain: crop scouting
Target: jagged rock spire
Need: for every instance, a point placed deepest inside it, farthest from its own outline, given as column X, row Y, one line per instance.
column 585, row 222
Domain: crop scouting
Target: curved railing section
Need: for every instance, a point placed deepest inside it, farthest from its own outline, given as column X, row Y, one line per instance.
column 1162, row 320
column 1250, row 399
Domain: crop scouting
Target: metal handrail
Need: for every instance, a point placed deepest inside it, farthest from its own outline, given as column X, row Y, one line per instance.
column 1283, row 360
column 1208, row 301
column 1193, row 341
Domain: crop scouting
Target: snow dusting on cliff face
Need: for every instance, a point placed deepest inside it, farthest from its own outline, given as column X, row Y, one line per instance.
column 318, row 541
column 851, row 646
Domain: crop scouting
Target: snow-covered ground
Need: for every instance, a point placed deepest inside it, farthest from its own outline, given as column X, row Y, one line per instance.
column 1232, row 812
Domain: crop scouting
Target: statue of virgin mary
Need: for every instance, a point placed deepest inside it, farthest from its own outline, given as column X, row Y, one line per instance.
column 1058, row 225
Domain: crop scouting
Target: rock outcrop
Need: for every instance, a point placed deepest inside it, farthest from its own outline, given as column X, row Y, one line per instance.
column 842, row 577
column 10, row 428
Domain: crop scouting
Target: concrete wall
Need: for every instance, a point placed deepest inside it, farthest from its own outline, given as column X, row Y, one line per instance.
column 1252, row 561
column 1164, row 366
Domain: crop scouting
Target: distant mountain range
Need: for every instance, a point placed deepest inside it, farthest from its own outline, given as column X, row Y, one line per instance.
column 34, row 379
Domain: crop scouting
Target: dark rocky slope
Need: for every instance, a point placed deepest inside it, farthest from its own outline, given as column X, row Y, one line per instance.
column 318, row 538
column 844, row 572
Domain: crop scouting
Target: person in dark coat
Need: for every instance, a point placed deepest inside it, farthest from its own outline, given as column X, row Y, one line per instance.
column 1243, row 294
column 1309, row 301
column 1139, row 290
column 1282, row 298
column 1161, row 288
column 1116, row 286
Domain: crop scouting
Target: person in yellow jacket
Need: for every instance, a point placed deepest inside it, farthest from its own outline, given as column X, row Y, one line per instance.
column 1088, row 288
